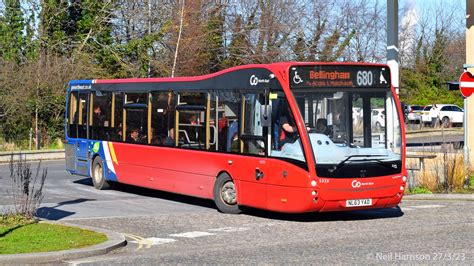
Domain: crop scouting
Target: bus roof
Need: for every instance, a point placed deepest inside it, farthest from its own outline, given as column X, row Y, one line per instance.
column 233, row 78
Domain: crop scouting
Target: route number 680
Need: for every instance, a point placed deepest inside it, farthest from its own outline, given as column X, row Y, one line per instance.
column 365, row 78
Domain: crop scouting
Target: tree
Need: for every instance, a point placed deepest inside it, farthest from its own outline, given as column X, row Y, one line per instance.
column 432, row 57
column 12, row 39
column 300, row 47
column 237, row 51
column 214, row 39
column 54, row 28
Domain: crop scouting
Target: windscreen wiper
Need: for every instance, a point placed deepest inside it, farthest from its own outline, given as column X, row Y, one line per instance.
column 386, row 164
column 343, row 163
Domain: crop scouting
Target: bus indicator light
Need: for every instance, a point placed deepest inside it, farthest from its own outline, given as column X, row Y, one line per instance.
column 313, row 183
column 404, row 178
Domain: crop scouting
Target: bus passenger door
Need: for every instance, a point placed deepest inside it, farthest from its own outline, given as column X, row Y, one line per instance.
column 254, row 172
column 82, row 162
column 71, row 131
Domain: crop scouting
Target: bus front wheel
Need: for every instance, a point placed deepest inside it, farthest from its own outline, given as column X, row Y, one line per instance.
column 98, row 178
column 225, row 195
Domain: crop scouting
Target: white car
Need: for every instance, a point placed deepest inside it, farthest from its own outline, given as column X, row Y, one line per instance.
column 425, row 115
column 414, row 113
column 378, row 118
column 448, row 114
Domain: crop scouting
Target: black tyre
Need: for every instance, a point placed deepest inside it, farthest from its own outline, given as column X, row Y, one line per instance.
column 98, row 177
column 445, row 121
column 225, row 195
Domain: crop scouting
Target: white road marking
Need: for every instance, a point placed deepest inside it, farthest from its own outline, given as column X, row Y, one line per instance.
column 152, row 241
column 138, row 240
column 427, row 206
column 78, row 262
column 192, row 234
column 406, row 209
column 230, row 229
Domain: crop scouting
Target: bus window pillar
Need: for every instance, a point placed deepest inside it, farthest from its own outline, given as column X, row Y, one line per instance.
column 349, row 122
column 367, row 122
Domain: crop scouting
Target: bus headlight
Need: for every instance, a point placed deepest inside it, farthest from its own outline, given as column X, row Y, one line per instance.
column 313, row 183
column 404, row 178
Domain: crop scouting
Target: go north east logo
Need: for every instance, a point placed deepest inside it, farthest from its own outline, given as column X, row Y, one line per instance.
column 357, row 184
column 254, row 80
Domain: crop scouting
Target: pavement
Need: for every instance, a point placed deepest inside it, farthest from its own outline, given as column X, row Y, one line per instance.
column 190, row 230
column 43, row 155
column 465, row 197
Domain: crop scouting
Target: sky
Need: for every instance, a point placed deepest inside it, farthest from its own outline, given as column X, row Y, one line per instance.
column 424, row 5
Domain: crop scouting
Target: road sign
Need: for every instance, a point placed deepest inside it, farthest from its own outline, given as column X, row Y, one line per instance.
column 466, row 84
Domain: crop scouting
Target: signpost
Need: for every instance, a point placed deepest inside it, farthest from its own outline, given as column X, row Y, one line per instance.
column 466, row 86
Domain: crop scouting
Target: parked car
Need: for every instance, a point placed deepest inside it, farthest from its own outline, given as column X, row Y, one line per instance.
column 378, row 118
column 414, row 113
column 448, row 114
column 425, row 115
column 445, row 114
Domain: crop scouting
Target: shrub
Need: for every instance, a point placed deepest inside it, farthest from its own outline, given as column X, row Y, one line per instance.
column 27, row 187
column 446, row 173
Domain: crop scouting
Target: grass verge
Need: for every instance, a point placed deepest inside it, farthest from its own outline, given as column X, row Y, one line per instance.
column 18, row 235
column 419, row 190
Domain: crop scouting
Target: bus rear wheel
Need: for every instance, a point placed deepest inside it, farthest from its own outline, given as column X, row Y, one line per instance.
column 98, row 178
column 225, row 195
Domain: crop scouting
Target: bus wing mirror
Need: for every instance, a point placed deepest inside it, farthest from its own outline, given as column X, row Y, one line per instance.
column 266, row 115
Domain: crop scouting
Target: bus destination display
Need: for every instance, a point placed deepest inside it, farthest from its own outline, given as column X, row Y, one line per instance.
column 348, row 76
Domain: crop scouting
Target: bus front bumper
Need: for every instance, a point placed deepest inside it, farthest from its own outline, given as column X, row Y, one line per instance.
column 385, row 192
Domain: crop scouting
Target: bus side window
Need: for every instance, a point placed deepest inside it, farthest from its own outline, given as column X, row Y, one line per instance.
column 83, row 104
column 162, row 118
column 101, row 115
column 285, row 144
column 253, row 141
column 73, row 115
column 116, row 122
column 191, row 117
column 135, row 116
column 228, row 121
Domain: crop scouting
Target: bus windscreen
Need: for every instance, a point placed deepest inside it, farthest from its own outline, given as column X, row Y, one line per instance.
column 351, row 117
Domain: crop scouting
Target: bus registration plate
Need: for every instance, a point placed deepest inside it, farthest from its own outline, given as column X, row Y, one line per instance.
column 358, row 202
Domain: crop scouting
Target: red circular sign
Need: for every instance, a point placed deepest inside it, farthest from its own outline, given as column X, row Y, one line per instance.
column 466, row 84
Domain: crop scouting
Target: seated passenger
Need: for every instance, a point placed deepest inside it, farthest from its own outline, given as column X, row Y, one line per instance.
column 169, row 140
column 117, row 135
column 134, row 136
column 322, row 126
column 289, row 128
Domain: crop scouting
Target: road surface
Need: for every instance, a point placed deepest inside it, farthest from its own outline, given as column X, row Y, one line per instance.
column 171, row 229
